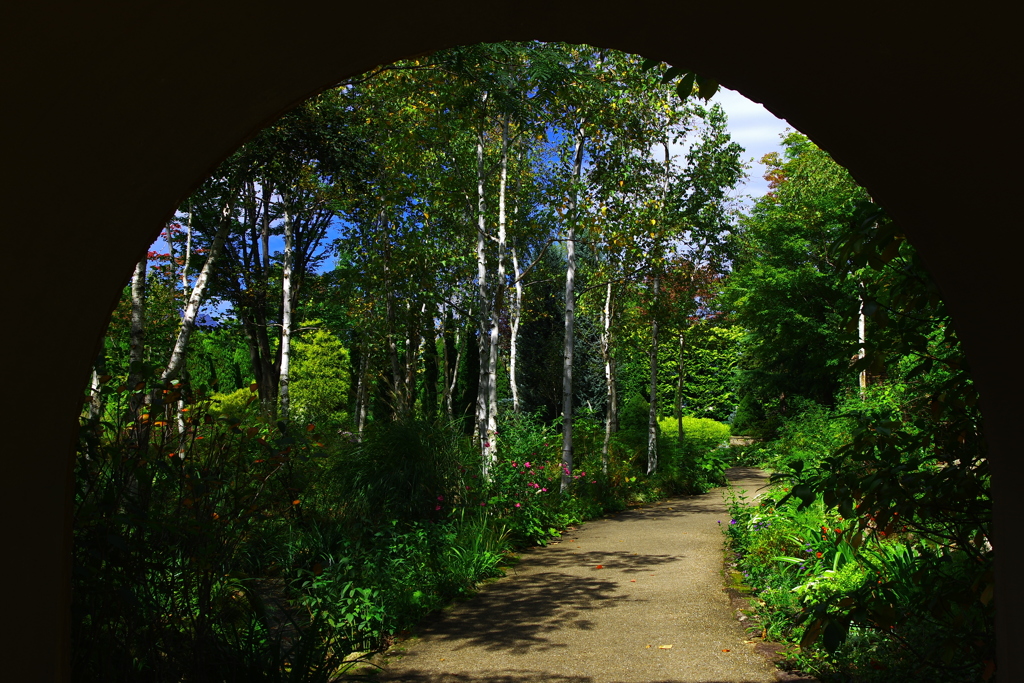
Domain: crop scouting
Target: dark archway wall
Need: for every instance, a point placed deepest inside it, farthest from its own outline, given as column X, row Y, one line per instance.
column 114, row 110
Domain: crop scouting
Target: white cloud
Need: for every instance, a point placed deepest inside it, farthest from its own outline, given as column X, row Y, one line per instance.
column 757, row 130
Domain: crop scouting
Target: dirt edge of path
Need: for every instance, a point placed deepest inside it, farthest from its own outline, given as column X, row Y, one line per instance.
column 742, row 600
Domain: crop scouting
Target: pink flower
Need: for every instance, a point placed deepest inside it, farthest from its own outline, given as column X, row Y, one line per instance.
column 517, row 504
column 543, row 490
column 482, row 504
column 440, row 497
column 437, row 507
column 467, row 488
column 487, row 444
column 594, row 482
column 526, row 464
column 515, row 464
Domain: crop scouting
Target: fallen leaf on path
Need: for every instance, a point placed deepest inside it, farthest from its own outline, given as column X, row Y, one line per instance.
column 632, row 580
column 600, row 566
column 664, row 647
column 725, row 650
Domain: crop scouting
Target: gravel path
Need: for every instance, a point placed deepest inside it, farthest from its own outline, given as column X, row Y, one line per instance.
column 636, row 597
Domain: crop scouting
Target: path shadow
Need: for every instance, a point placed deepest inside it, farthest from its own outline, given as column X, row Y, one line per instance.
column 517, row 676
column 517, row 616
column 610, row 560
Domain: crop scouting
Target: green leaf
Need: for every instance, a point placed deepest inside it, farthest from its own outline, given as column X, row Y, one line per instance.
column 806, row 495
column 833, row 637
column 649, row 64
column 671, row 73
column 707, row 87
column 685, row 87
column 810, row 634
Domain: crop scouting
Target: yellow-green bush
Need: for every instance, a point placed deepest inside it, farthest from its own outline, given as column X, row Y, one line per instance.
column 236, row 404
column 708, row 433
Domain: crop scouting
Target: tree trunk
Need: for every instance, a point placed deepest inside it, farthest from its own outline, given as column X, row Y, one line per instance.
column 99, row 372
column 517, row 313
column 363, row 390
column 862, row 380
column 430, row 370
column 137, row 336
column 195, row 299
column 483, row 317
column 451, row 363
column 472, row 388
column 397, row 400
column 652, row 421
column 284, row 379
column 499, row 297
column 570, row 315
column 680, row 383
column 412, row 351
column 611, row 394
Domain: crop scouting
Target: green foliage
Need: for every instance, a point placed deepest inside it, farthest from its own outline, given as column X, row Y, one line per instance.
column 710, row 362
column 872, row 550
column 238, row 404
column 163, row 522
column 786, row 290
column 402, row 471
column 320, row 379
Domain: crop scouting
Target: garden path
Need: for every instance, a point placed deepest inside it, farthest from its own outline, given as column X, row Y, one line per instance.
column 601, row 605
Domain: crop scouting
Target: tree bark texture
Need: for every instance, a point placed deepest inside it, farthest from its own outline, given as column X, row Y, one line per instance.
column 570, row 314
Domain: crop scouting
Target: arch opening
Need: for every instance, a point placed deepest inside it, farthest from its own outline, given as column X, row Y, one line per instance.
column 293, row 205
column 893, row 152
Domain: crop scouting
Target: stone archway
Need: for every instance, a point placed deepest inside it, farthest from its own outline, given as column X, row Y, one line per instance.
column 115, row 111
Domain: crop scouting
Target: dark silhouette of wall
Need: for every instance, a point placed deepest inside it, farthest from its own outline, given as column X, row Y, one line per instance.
column 113, row 111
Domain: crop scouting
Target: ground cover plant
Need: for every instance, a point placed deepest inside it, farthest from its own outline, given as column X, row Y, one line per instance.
column 869, row 554
column 225, row 548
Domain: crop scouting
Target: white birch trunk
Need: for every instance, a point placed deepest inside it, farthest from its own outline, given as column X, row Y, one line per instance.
column 447, row 386
column 611, row 399
column 95, row 403
column 861, row 352
column 137, row 335
column 517, row 313
column 284, row 382
column 362, row 392
column 195, row 299
column 484, row 309
column 188, row 252
column 570, row 315
column 499, row 293
column 652, row 421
